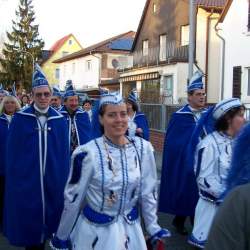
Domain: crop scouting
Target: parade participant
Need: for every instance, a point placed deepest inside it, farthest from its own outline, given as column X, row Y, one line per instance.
column 178, row 189
column 3, row 93
column 56, row 99
column 87, row 106
column 231, row 225
column 8, row 107
column 212, row 162
column 36, row 170
column 112, row 178
column 25, row 101
column 79, row 128
column 137, row 123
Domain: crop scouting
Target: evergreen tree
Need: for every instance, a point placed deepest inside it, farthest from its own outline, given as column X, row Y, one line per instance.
column 22, row 47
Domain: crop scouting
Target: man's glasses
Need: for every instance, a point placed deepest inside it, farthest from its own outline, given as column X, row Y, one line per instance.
column 45, row 94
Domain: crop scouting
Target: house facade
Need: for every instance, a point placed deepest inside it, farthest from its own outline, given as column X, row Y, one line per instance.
column 96, row 66
column 160, row 51
column 234, row 29
column 61, row 48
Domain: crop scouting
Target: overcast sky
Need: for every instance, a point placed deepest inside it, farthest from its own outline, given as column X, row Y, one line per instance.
column 89, row 20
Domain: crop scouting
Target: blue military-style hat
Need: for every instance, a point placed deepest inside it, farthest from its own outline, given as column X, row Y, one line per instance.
column 196, row 81
column 69, row 91
column 133, row 96
column 56, row 91
column 222, row 107
column 39, row 78
column 2, row 90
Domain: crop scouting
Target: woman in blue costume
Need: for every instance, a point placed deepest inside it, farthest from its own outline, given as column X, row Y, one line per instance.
column 212, row 163
column 137, row 124
column 8, row 107
column 112, row 180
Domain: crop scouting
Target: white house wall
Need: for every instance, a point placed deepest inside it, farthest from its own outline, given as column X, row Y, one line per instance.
column 237, row 50
column 81, row 77
column 179, row 71
column 214, row 50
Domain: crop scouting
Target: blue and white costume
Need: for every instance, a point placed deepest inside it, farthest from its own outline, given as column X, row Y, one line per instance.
column 139, row 120
column 107, row 188
column 79, row 127
column 212, row 164
column 36, row 173
column 81, row 123
column 4, row 127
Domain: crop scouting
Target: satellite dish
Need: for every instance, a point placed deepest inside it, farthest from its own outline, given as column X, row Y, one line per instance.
column 115, row 63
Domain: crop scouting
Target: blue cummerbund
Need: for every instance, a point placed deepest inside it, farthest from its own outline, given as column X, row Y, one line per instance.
column 102, row 219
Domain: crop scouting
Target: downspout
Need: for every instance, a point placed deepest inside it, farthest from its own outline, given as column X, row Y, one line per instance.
column 223, row 60
column 207, row 51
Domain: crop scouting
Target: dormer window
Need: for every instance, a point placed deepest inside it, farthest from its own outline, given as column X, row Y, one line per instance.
column 70, row 42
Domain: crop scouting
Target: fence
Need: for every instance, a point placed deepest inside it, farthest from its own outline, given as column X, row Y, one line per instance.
column 158, row 115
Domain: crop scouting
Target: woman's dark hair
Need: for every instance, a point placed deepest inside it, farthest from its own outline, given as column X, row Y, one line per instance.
column 134, row 105
column 101, row 113
column 222, row 124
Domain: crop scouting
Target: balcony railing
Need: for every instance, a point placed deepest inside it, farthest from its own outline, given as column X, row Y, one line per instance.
column 156, row 56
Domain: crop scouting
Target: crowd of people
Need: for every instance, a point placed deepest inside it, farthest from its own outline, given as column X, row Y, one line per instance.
column 85, row 177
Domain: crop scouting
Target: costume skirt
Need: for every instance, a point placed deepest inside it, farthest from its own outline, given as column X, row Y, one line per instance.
column 204, row 215
column 119, row 235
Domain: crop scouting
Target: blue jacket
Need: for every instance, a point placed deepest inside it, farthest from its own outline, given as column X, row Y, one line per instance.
column 82, row 125
column 36, row 173
column 4, row 127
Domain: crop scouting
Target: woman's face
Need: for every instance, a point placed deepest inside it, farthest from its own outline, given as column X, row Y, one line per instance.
column 237, row 122
column 129, row 106
column 25, row 100
column 10, row 106
column 115, row 120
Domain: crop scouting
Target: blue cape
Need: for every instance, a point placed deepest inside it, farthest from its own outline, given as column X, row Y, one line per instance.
column 141, row 122
column 29, row 216
column 178, row 190
column 4, row 124
column 83, row 126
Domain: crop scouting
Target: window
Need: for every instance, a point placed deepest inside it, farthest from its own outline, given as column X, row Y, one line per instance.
column 88, row 65
column 167, row 96
column 184, row 35
column 57, row 73
column 145, row 48
column 248, row 81
column 70, row 42
column 154, row 8
column 150, row 91
column 65, row 53
column 73, row 68
column 163, row 48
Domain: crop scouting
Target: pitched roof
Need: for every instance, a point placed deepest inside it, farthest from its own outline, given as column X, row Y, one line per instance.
column 202, row 3
column 104, row 46
column 58, row 44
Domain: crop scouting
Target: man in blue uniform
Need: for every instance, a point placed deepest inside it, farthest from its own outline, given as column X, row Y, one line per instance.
column 178, row 190
column 79, row 127
column 56, row 99
column 36, row 170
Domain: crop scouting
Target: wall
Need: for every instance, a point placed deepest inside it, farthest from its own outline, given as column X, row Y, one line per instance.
column 49, row 67
column 214, row 56
column 157, row 140
column 82, row 78
column 237, row 53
